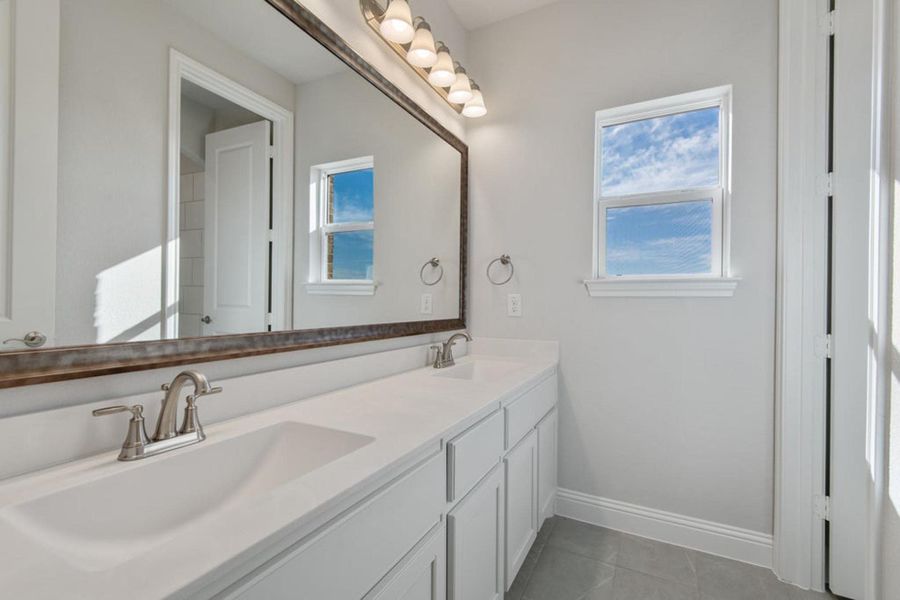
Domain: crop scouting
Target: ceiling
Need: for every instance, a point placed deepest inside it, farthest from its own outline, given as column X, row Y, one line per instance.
column 478, row 13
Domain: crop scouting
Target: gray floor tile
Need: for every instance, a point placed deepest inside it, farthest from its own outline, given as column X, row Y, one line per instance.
column 587, row 540
column 631, row 585
column 562, row 575
column 517, row 589
column 724, row 579
column 665, row 561
column 545, row 531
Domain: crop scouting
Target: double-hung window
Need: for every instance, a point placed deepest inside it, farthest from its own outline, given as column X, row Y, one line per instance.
column 661, row 197
column 345, row 215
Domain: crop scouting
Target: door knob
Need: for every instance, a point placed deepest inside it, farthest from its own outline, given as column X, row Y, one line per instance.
column 207, row 319
column 32, row 339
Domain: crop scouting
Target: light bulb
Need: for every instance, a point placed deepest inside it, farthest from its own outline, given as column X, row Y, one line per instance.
column 461, row 90
column 396, row 25
column 442, row 74
column 475, row 107
column 422, row 52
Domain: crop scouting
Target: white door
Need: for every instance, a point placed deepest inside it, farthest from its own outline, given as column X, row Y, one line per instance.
column 236, row 230
column 852, row 329
column 475, row 542
column 547, row 466
column 521, row 503
column 29, row 118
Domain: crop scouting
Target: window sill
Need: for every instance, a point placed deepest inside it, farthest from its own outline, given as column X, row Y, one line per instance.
column 341, row 288
column 695, row 287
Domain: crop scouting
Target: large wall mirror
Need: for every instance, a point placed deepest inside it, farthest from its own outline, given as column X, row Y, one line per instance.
column 232, row 180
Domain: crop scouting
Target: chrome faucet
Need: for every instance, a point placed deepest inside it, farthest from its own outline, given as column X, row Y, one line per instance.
column 444, row 353
column 137, row 445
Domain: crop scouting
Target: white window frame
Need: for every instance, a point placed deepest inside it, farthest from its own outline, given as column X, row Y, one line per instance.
column 320, row 283
column 717, row 282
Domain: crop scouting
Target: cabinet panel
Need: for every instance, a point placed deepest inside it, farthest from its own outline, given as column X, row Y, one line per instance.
column 345, row 561
column 472, row 454
column 521, row 503
column 523, row 414
column 475, row 529
column 420, row 577
column 547, row 441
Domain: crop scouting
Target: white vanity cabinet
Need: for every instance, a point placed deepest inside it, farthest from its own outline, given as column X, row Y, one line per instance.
column 521, row 469
column 421, row 576
column 530, row 470
column 457, row 527
column 475, row 542
column 547, row 452
column 351, row 556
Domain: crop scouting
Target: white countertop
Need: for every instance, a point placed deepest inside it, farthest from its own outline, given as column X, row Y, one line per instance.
column 408, row 415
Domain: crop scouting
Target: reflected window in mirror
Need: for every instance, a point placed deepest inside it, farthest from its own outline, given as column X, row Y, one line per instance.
column 347, row 219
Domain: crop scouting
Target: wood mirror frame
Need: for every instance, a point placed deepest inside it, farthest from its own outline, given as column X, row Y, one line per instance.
column 27, row 367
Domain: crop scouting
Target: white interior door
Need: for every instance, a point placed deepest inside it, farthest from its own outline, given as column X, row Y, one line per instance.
column 852, row 330
column 236, row 230
column 29, row 117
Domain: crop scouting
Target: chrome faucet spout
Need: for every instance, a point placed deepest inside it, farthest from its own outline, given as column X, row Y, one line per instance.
column 167, row 423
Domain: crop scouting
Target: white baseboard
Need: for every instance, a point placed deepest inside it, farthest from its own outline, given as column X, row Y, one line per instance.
column 706, row 536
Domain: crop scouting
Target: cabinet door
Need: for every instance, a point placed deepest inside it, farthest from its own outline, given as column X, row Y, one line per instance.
column 521, row 465
column 475, row 530
column 547, row 442
column 422, row 576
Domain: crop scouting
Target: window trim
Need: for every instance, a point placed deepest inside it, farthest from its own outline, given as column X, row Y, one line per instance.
column 721, row 196
column 319, row 282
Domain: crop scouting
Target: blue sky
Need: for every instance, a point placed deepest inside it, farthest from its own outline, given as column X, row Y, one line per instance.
column 353, row 202
column 662, row 154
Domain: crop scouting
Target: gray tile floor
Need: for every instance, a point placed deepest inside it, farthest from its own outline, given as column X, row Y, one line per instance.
column 576, row 561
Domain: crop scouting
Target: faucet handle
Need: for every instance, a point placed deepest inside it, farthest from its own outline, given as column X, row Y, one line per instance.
column 213, row 390
column 137, row 411
column 136, row 439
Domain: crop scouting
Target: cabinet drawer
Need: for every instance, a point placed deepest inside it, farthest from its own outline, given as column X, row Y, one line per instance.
column 349, row 558
column 523, row 414
column 472, row 454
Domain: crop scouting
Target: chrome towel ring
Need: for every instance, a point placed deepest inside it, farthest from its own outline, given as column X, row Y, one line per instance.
column 504, row 260
column 434, row 263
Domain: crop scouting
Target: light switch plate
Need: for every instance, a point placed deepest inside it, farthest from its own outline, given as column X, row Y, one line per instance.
column 514, row 305
column 426, row 305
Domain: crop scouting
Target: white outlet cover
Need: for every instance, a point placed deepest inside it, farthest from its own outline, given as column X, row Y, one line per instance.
column 514, row 305
column 426, row 305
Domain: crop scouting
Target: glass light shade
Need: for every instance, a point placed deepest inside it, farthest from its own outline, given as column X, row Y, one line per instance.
column 475, row 107
column 442, row 73
column 461, row 90
column 396, row 25
column 422, row 52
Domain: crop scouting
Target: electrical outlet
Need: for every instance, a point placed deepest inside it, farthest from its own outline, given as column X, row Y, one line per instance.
column 514, row 305
column 426, row 305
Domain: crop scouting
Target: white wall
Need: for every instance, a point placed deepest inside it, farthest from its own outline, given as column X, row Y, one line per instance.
column 664, row 403
column 416, row 202
column 344, row 17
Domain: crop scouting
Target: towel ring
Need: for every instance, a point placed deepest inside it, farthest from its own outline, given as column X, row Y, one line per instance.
column 503, row 260
column 435, row 263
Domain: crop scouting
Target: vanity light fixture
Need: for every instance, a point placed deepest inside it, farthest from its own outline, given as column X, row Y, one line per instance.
column 461, row 90
column 422, row 52
column 397, row 23
column 412, row 39
column 442, row 74
column 475, row 107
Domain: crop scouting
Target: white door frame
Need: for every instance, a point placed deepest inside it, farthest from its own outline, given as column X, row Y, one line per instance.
column 800, row 436
column 183, row 67
column 801, row 440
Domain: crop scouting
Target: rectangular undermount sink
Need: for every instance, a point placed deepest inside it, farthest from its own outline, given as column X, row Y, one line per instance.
column 480, row 370
column 107, row 521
